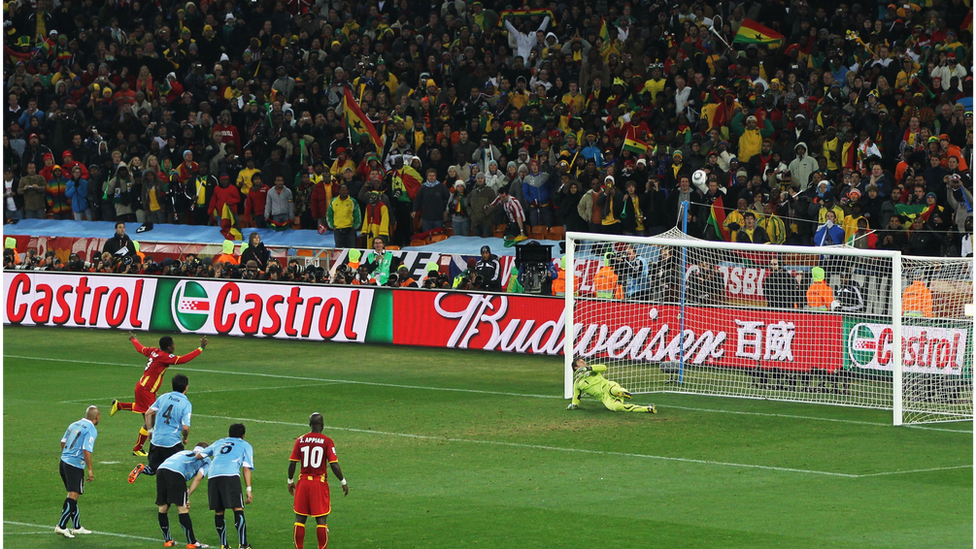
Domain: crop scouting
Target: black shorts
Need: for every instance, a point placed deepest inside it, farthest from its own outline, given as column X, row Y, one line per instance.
column 158, row 454
column 170, row 488
column 225, row 493
column 73, row 478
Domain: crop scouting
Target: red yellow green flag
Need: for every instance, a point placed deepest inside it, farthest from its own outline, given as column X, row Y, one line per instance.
column 716, row 219
column 753, row 33
column 540, row 12
column 604, row 33
column 635, row 146
column 357, row 124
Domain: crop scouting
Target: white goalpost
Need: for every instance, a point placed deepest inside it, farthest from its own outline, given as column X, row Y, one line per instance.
column 827, row 325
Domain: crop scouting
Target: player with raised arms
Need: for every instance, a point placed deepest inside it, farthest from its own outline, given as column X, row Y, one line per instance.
column 159, row 360
column 314, row 451
column 589, row 380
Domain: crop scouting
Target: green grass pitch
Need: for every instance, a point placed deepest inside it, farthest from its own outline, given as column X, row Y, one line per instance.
column 470, row 449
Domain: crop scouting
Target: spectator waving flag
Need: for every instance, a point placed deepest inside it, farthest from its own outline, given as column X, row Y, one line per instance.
column 753, row 33
column 716, row 218
column 604, row 33
column 542, row 12
column 635, row 146
column 357, row 124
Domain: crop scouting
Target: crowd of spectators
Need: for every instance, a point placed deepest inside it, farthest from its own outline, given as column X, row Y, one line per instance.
column 856, row 128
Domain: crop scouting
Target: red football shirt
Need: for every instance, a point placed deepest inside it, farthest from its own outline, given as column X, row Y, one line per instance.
column 157, row 364
column 314, row 451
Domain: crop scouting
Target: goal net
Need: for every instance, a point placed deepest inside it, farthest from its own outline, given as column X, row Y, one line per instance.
column 816, row 325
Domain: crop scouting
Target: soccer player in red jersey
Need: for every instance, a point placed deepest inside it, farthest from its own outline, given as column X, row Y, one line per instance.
column 159, row 360
column 313, row 450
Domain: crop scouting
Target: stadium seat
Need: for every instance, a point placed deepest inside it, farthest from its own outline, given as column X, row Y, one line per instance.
column 449, row 231
column 418, row 242
column 438, row 238
column 392, row 247
column 499, row 231
column 538, row 232
column 557, row 232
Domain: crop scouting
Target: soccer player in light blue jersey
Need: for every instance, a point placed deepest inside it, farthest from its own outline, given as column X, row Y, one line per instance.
column 77, row 446
column 232, row 457
column 168, row 419
column 171, row 478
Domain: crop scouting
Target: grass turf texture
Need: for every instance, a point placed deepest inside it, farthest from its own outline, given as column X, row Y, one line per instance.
column 496, row 462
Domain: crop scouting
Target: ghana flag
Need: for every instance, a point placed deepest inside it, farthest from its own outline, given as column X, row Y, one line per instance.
column 716, row 219
column 635, row 146
column 753, row 33
column 522, row 14
column 358, row 125
column 604, row 32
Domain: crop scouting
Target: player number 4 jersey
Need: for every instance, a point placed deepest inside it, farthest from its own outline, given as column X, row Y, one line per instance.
column 314, row 452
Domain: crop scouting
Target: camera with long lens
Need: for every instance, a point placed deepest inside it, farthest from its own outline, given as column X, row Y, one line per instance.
column 533, row 261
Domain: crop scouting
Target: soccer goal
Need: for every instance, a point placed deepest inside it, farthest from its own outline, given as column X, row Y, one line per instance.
column 827, row 325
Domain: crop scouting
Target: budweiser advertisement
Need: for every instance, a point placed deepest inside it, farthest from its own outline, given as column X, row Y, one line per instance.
column 51, row 299
column 925, row 349
column 498, row 322
column 712, row 336
column 490, row 322
column 282, row 311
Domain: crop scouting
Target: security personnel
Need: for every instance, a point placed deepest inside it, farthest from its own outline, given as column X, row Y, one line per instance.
column 605, row 281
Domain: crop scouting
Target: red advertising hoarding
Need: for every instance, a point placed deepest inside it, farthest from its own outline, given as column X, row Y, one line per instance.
column 725, row 337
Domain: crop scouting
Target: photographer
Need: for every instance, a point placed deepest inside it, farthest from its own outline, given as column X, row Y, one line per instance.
column 404, row 280
column 255, row 252
column 434, row 279
column 120, row 244
column 379, row 261
column 490, row 270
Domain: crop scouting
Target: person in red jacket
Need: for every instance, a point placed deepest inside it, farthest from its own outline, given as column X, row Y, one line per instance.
column 223, row 204
column 228, row 132
column 256, row 199
column 68, row 164
column 47, row 172
column 321, row 196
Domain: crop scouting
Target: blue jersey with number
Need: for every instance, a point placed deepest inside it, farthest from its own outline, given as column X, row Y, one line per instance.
column 79, row 437
column 230, row 454
column 172, row 413
column 186, row 464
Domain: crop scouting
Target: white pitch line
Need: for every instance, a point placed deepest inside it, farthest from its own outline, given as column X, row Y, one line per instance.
column 99, row 399
column 26, row 533
column 109, row 462
column 299, row 378
column 94, row 532
column 944, row 430
column 887, row 473
column 477, row 391
column 551, row 448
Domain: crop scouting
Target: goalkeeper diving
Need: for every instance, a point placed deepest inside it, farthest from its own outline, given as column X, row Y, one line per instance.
column 589, row 380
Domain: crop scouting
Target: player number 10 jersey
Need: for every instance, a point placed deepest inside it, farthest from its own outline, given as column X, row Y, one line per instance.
column 314, row 452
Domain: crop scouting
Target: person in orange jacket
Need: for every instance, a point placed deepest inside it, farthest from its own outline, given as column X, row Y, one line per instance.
column 916, row 300
column 227, row 255
column 819, row 295
column 605, row 281
column 559, row 284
